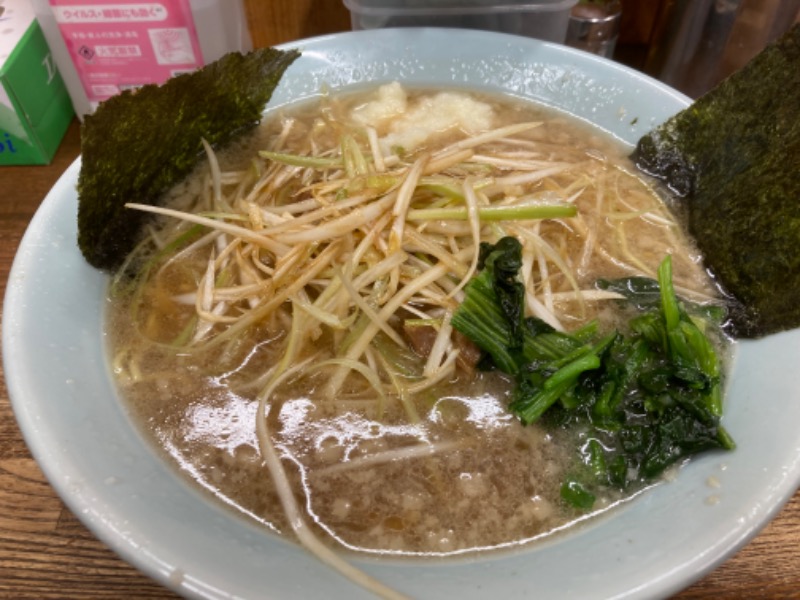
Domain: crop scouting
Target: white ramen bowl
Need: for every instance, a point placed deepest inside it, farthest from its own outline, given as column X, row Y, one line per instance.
column 115, row 482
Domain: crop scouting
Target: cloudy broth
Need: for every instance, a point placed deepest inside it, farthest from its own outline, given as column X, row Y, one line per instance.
column 440, row 470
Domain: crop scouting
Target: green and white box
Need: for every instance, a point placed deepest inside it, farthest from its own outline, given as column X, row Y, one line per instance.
column 35, row 108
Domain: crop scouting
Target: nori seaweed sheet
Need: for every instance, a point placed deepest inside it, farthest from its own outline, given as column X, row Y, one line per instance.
column 734, row 156
column 139, row 143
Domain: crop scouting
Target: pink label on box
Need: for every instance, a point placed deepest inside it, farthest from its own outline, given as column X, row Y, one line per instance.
column 119, row 45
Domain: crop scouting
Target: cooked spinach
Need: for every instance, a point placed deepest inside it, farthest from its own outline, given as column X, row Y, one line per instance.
column 644, row 398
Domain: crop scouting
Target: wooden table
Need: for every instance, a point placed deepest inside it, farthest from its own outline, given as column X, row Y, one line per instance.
column 45, row 552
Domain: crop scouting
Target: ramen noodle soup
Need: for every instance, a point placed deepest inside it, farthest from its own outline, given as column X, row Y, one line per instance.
column 283, row 333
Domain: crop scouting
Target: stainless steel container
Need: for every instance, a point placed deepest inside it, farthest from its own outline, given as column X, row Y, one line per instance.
column 594, row 27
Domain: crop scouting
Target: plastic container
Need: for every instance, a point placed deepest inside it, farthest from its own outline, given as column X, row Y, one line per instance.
column 105, row 46
column 542, row 19
column 698, row 43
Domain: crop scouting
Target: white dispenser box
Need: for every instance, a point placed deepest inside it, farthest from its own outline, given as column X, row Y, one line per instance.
column 103, row 47
column 35, row 109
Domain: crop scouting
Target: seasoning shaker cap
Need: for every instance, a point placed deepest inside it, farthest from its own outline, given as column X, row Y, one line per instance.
column 594, row 26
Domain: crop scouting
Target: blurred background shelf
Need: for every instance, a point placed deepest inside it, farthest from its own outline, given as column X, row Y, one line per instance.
column 689, row 44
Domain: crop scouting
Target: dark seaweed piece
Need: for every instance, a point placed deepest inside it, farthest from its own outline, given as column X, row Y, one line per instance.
column 139, row 143
column 734, row 155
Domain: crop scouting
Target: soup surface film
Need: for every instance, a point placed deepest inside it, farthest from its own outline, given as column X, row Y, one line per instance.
column 318, row 316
